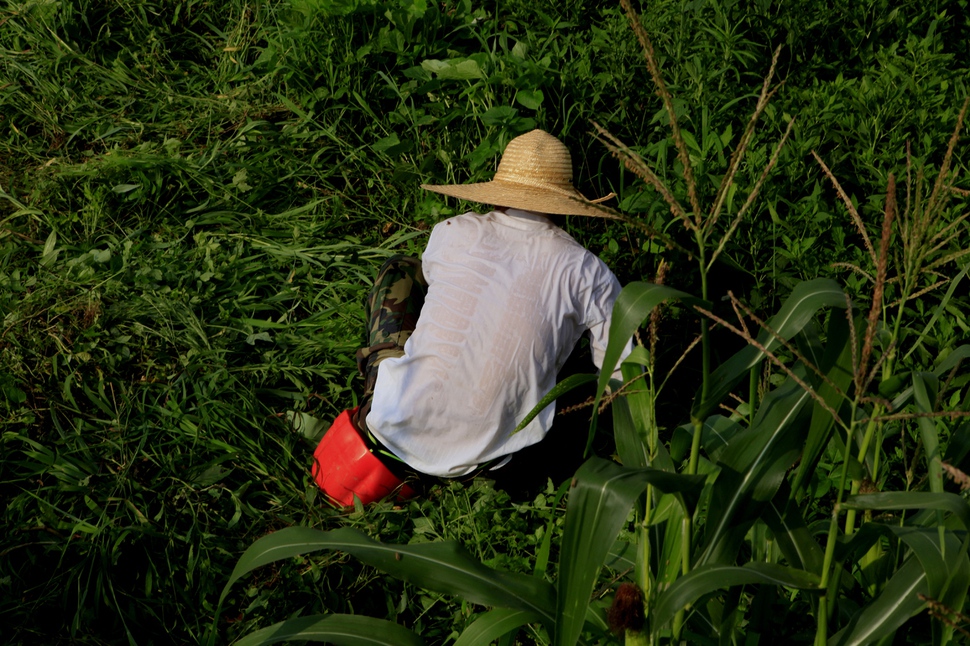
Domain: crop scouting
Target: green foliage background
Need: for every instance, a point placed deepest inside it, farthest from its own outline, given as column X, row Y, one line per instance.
column 194, row 197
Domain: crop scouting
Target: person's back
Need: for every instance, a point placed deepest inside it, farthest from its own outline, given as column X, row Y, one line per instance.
column 509, row 295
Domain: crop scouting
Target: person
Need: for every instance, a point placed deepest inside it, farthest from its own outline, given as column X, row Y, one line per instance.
column 464, row 343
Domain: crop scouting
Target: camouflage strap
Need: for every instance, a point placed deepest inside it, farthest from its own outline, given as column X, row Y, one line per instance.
column 392, row 314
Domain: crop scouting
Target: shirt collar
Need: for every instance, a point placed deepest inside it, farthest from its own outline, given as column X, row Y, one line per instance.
column 527, row 216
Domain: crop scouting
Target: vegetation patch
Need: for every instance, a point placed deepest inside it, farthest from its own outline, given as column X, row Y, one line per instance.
column 195, row 198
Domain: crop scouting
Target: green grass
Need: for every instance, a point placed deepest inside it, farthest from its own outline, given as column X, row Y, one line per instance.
column 195, row 196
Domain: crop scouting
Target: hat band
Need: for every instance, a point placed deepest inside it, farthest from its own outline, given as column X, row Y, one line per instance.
column 540, row 185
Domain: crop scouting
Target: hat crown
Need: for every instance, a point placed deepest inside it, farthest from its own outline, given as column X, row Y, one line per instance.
column 537, row 159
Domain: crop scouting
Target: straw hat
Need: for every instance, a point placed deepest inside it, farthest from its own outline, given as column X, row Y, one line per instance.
column 535, row 174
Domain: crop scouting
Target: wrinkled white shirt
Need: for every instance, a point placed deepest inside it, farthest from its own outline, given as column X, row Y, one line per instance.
column 509, row 295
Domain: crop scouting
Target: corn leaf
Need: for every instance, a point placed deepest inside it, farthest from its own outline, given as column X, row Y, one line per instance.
column 795, row 540
column 951, row 361
column 898, row 601
column 632, row 306
column 709, row 578
column 598, row 506
column 630, row 448
column 836, row 364
column 494, row 624
column 340, row 630
column 564, row 386
column 444, row 567
column 923, row 384
column 635, row 428
column 753, row 467
column 805, row 301
column 940, row 570
column 950, row 502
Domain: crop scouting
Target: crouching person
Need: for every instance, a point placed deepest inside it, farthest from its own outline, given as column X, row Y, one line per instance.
column 466, row 342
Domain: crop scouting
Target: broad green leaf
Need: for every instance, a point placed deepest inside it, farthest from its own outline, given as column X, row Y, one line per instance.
column 598, row 506
column 662, row 460
column 957, row 587
column 691, row 142
column 631, row 450
column 922, row 383
column 530, row 99
column 925, row 544
column 444, row 567
column 391, row 145
column 632, row 306
column 494, row 624
column 50, row 249
column 596, row 616
column 897, row 602
column 792, row 534
column 860, row 542
column 753, row 467
column 956, row 356
column 499, row 115
column 641, row 404
column 940, row 564
column 805, row 301
column 635, row 427
column 836, row 364
column 340, row 630
column 564, row 386
column 958, row 576
column 944, row 575
column 622, row 556
column 704, row 580
column 310, row 427
column 669, row 535
column 454, row 69
column 810, row 344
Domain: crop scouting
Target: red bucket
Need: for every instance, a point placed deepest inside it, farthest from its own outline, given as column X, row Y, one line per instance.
column 344, row 467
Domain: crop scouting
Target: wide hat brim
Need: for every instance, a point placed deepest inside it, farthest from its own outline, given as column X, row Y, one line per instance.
column 539, row 199
column 534, row 174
